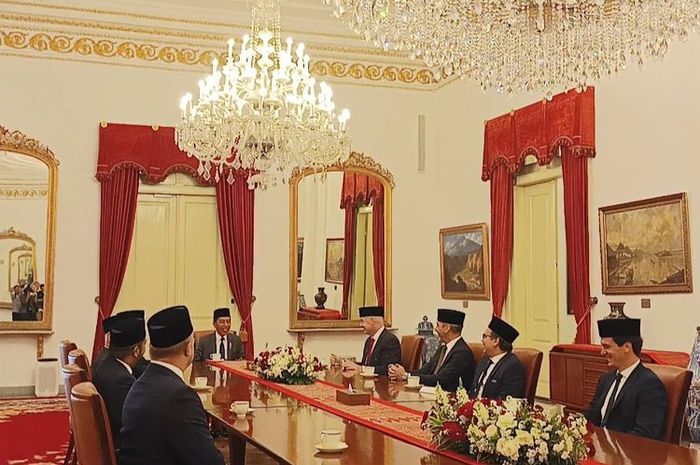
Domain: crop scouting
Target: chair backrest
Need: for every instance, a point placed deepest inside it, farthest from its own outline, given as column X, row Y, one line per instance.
column 200, row 334
column 64, row 348
column 532, row 361
column 477, row 349
column 411, row 351
column 677, row 383
column 78, row 357
column 72, row 376
column 93, row 436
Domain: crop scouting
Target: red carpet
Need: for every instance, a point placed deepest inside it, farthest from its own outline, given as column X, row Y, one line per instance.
column 33, row 431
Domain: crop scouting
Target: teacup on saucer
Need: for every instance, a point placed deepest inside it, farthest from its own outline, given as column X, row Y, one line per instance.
column 331, row 448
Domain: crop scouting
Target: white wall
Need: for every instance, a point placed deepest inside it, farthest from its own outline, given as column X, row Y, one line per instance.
column 646, row 127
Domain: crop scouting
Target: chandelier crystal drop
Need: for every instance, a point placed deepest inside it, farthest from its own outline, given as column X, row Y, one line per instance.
column 261, row 111
column 523, row 45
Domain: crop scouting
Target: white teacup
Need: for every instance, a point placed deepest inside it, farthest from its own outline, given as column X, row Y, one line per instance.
column 413, row 381
column 366, row 370
column 215, row 356
column 330, row 438
column 200, row 381
column 240, row 407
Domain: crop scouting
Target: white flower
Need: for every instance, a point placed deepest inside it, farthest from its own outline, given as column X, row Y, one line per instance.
column 508, row 448
column 506, row 421
column 512, row 405
column 524, row 438
column 491, row 431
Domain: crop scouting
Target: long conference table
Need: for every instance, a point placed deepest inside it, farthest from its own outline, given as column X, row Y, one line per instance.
column 286, row 428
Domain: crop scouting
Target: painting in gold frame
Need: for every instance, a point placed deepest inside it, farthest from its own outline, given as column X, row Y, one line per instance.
column 645, row 246
column 335, row 259
column 464, row 263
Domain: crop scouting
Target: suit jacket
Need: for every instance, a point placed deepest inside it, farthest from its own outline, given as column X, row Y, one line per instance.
column 457, row 366
column 113, row 382
column 141, row 366
column 164, row 423
column 640, row 406
column 104, row 353
column 506, row 379
column 387, row 350
column 207, row 345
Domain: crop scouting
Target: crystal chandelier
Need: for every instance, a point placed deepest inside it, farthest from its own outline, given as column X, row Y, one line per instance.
column 523, row 45
column 260, row 111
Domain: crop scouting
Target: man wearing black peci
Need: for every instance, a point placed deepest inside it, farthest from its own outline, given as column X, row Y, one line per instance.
column 382, row 348
column 630, row 398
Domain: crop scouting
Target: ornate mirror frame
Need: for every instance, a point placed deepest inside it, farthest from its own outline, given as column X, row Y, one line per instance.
column 359, row 163
column 16, row 141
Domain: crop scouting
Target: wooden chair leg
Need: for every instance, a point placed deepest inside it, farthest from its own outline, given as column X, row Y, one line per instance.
column 70, row 451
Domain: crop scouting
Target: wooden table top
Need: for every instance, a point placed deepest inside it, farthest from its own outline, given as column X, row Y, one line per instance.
column 288, row 429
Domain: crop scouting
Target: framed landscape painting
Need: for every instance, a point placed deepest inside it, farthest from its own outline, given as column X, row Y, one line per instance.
column 464, row 263
column 335, row 260
column 300, row 257
column 645, row 246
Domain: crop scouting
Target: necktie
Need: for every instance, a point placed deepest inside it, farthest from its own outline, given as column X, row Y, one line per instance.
column 370, row 349
column 611, row 402
column 222, row 349
column 441, row 357
column 482, row 378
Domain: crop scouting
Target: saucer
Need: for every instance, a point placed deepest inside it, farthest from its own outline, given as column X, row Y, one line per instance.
column 373, row 375
column 201, row 388
column 250, row 410
column 341, row 446
column 413, row 387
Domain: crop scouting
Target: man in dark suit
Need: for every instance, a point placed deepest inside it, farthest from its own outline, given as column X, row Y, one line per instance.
column 222, row 341
column 163, row 421
column 630, row 398
column 382, row 348
column 500, row 373
column 106, row 328
column 114, row 376
column 453, row 363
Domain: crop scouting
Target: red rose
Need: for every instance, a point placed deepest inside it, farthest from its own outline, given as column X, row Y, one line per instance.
column 454, row 431
column 425, row 416
column 466, row 410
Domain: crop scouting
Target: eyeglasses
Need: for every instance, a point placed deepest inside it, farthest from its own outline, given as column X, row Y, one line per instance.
column 489, row 336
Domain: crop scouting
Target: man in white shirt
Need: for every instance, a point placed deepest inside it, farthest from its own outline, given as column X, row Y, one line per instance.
column 500, row 373
column 222, row 341
column 163, row 420
column 630, row 398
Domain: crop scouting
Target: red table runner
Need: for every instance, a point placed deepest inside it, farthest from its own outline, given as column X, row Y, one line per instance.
column 395, row 420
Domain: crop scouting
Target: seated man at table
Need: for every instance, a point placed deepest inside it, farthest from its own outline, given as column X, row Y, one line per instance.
column 163, row 420
column 114, row 376
column 630, row 398
column 382, row 348
column 222, row 341
column 106, row 328
column 500, row 373
column 453, row 363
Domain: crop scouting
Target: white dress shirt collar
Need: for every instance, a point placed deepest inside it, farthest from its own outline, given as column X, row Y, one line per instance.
column 377, row 334
column 126, row 365
column 170, row 367
column 451, row 344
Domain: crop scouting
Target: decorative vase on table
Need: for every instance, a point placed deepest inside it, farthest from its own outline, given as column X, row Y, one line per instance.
column 321, row 298
column 617, row 311
column 425, row 329
column 693, row 410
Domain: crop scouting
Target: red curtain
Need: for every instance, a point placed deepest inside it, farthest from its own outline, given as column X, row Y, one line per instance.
column 501, row 234
column 378, row 245
column 119, row 196
column 236, row 211
column 575, row 171
column 349, row 252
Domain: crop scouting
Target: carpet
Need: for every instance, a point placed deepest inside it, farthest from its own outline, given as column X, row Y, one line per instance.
column 33, row 431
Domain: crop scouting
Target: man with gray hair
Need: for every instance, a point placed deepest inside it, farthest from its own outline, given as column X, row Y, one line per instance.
column 382, row 348
column 453, row 363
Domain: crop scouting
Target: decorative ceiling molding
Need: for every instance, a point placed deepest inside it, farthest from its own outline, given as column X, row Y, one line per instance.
column 139, row 39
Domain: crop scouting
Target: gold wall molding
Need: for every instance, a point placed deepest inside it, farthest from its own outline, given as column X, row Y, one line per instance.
column 20, row 193
column 86, row 47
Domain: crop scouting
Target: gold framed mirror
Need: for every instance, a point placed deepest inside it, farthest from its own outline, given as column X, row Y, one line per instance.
column 28, row 178
column 351, row 203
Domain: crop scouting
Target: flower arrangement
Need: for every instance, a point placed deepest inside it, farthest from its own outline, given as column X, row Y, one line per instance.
column 287, row 365
column 507, row 432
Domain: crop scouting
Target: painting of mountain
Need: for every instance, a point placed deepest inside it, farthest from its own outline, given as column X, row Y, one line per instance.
column 645, row 246
column 464, row 255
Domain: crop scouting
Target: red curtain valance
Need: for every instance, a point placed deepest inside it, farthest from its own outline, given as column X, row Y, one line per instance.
column 568, row 120
column 150, row 149
column 360, row 189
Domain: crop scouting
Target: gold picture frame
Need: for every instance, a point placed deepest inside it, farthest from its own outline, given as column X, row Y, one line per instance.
column 464, row 263
column 645, row 246
column 335, row 259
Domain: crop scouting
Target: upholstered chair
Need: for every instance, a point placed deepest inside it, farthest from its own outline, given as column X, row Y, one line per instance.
column 78, row 357
column 677, row 383
column 64, row 348
column 93, row 437
column 72, row 376
column 411, row 351
column 532, row 360
column 477, row 349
